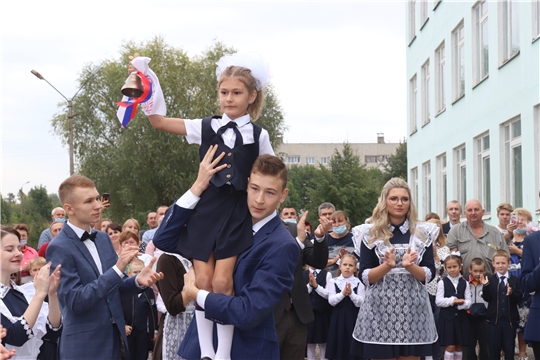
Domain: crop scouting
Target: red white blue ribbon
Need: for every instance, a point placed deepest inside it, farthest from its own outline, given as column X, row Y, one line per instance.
column 131, row 104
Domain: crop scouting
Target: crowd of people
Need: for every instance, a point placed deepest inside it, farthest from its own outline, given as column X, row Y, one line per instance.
column 223, row 273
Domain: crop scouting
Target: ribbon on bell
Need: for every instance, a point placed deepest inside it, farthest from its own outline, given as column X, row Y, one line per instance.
column 131, row 104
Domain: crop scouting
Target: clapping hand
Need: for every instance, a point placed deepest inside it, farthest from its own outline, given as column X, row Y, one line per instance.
column 42, row 280
column 147, row 276
column 312, row 281
column 54, row 280
column 347, row 291
column 325, row 226
column 301, row 227
column 409, row 258
column 390, row 258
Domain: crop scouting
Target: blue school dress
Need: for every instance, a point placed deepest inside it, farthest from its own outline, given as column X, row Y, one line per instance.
column 453, row 325
column 322, row 310
column 221, row 222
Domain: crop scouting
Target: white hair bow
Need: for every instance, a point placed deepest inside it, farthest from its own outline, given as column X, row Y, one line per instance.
column 455, row 253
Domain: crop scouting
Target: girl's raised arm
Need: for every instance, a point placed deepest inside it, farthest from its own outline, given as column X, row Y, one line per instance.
column 170, row 125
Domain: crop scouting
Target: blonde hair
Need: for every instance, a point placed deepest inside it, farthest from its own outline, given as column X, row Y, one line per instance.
column 524, row 212
column 74, row 181
column 441, row 239
column 134, row 221
column 380, row 228
column 505, row 206
column 244, row 75
column 39, row 261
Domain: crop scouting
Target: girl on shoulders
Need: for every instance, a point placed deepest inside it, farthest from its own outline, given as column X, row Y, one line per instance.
column 454, row 298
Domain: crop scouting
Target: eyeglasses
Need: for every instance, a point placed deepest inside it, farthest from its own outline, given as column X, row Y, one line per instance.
column 396, row 199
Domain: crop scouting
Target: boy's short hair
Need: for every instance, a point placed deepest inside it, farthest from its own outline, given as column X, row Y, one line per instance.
column 270, row 165
column 477, row 262
column 136, row 263
column 74, row 181
column 504, row 206
column 501, row 253
column 40, row 261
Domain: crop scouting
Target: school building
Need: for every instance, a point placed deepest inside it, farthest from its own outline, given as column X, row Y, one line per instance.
column 474, row 104
column 370, row 154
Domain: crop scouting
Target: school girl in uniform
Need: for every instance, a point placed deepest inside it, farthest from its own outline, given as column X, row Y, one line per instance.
column 220, row 226
column 345, row 294
column 454, row 298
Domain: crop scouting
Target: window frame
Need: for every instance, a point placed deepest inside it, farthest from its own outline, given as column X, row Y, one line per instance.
column 414, row 184
column 442, row 183
column 413, row 101
column 483, row 180
column 480, row 56
column 458, row 61
column 510, row 142
column 426, row 187
column 426, row 78
column 440, row 64
column 460, row 177
column 508, row 31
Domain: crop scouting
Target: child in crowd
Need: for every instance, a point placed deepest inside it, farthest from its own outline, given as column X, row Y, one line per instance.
column 140, row 314
column 317, row 281
column 454, row 298
column 214, row 245
column 502, row 291
column 34, row 266
column 130, row 238
column 345, row 294
column 477, row 311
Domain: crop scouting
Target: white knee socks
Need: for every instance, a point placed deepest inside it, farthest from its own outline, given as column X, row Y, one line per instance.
column 225, row 336
column 448, row 355
column 205, row 330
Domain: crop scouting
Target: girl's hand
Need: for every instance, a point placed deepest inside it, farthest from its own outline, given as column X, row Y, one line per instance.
column 390, row 258
column 41, row 280
column 54, row 280
column 347, row 290
column 409, row 258
column 459, row 301
column 312, row 281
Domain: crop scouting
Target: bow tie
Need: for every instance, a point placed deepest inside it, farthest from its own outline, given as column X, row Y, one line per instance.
column 87, row 236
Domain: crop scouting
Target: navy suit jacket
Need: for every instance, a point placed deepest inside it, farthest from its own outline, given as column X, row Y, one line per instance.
column 530, row 281
column 262, row 273
column 93, row 323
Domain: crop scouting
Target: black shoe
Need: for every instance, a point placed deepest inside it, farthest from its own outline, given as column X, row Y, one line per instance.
column 206, row 358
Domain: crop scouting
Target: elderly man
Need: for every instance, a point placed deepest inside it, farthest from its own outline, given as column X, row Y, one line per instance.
column 475, row 239
column 453, row 211
column 46, row 236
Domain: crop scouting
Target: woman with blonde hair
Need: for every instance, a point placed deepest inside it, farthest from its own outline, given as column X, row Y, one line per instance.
column 396, row 260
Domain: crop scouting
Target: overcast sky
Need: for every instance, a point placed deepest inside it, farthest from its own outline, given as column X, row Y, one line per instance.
column 338, row 68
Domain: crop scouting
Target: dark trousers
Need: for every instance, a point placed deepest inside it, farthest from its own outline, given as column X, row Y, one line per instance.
column 501, row 337
column 292, row 336
column 536, row 349
column 478, row 334
column 138, row 344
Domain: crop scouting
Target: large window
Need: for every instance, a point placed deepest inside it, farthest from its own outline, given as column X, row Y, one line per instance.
column 412, row 20
column 414, row 185
column 423, row 12
column 512, row 166
column 508, row 30
column 412, row 104
column 442, row 185
column 292, row 159
column 425, row 93
column 426, row 187
column 483, row 176
column 439, row 79
column 458, row 55
column 480, row 42
column 535, row 18
column 461, row 174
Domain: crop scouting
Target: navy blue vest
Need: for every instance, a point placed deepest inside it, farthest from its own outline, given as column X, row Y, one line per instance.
column 318, row 303
column 239, row 160
column 502, row 301
column 449, row 290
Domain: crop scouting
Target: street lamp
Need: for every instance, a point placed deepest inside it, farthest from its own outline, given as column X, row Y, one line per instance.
column 21, row 193
column 70, row 111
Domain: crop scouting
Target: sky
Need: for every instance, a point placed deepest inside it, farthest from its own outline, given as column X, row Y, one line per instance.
column 338, row 68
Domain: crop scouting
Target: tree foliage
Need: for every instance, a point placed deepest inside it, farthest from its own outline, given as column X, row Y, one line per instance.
column 346, row 183
column 139, row 166
column 397, row 163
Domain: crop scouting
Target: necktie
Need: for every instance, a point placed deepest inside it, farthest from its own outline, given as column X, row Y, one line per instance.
column 502, row 285
column 87, row 236
column 232, row 125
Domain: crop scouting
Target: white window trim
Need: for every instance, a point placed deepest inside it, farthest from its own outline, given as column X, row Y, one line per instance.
column 426, row 187
column 442, row 193
column 414, row 184
column 440, row 64
column 507, row 162
column 506, row 28
column 458, row 47
column 478, row 51
column 412, row 20
column 460, row 164
column 426, row 79
column 413, row 104
column 424, row 17
column 481, row 155
column 535, row 19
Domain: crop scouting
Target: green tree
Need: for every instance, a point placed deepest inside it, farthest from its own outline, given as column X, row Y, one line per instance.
column 397, row 163
column 139, row 166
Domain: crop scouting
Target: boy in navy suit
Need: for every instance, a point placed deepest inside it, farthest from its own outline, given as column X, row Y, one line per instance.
column 92, row 278
column 262, row 273
column 503, row 292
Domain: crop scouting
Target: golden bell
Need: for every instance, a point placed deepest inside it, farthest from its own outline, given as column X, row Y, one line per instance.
column 133, row 87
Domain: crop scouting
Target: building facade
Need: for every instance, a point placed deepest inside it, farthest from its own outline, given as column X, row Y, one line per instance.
column 474, row 104
column 370, row 154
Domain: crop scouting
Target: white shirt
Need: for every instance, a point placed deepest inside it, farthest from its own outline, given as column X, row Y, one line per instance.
column 442, row 301
column 506, row 275
column 335, row 298
column 322, row 291
column 194, row 133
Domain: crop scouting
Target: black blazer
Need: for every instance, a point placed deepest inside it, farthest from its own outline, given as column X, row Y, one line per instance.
column 446, row 228
column 140, row 311
column 315, row 255
column 490, row 294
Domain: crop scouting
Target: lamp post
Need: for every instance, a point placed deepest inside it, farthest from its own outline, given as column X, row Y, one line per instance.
column 21, row 193
column 70, row 112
